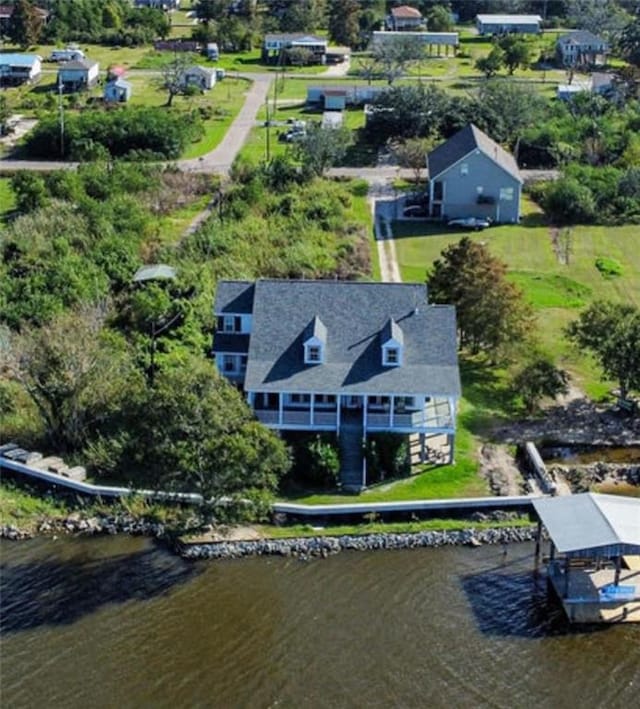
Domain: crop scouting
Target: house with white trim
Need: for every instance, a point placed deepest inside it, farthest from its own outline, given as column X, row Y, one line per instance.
column 353, row 358
column 16, row 68
column 200, row 77
column 581, row 47
column 470, row 175
column 274, row 45
column 78, row 75
column 404, row 17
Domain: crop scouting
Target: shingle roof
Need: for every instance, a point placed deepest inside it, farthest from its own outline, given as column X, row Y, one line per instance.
column 79, row 64
column 581, row 37
column 354, row 315
column 293, row 36
column 405, row 11
column 392, row 331
column 465, row 141
column 234, row 297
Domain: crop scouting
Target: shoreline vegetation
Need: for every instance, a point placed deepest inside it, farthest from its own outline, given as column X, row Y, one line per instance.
column 26, row 514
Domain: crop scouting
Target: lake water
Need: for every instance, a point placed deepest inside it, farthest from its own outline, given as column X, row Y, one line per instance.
column 120, row 622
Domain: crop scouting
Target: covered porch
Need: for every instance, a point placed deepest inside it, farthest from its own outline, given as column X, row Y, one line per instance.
column 395, row 413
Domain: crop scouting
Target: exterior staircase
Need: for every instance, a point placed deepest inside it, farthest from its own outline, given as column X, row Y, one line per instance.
column 351, row 456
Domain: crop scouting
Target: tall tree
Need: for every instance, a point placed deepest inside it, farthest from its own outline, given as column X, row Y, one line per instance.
column 395, row 56
column 492, row 63
column 25, row 26
column 538, row 379
column 611, row 332
column 491, row 312
column 344, row 22
column 517, row 52
column 322, row 148
column 75, row 372
column 439, row 19
column 172, row 79
column 207, row 11
column 630, row 42
column 411, row 153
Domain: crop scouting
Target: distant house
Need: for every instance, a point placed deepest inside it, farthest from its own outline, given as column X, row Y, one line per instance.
column 503, row 24
column 274, row 45
column 18, row 69
column 117, row 91
column 471, row 175
column 404, row 18
column 78, row 75
column 565, row 92
column 338, row 97
column 158, row 4
column 199, row 76
column 6, row 11
column 432, row 40
column 601, row 83
column 350, row 357
column 581, row 48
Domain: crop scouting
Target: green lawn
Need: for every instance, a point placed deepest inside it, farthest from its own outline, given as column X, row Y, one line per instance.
column 556, row 291
column 7, row 197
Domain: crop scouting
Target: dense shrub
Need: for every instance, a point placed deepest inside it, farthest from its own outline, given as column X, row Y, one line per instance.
column 128, row 132
column 387, row 456
column 316, row 459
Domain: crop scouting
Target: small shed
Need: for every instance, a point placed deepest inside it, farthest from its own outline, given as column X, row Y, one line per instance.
column 335, row 99
column 199, row 76
column 117, row 91
column 594, row 557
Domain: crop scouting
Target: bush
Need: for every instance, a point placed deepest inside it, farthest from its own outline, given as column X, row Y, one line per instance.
column 316, row 461
column 387, row 456
column 136, row 132
column 608, row 267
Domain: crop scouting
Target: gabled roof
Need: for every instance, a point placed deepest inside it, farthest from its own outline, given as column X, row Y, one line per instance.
column 120, row 83
column 354, row 315
column 580, row 37
column 85, row 64
column 589, row 522
column 391, row 331
column 197, row 69
column 316, row 330
column 406, row 12
column 234, row 297
column 463, row 143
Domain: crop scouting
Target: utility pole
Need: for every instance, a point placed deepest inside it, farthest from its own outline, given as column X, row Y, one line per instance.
column 268, row 122
column 61, row 107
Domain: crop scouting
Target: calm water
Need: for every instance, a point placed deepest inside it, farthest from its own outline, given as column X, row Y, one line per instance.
column 121, row 623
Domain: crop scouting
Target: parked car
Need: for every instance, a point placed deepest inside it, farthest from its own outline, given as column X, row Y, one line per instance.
column 476, row 223
column 415, row 210
column 292, row 136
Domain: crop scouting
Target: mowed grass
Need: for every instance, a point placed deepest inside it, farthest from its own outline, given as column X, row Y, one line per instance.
column 7, row 198
column 556, row 291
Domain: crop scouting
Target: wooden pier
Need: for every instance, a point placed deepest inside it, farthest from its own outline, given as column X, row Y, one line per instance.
column 594, row 559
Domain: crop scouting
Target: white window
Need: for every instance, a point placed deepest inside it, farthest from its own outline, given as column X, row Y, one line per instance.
column 464, row 168
column 231, row 323
column 229, row 363
column 313, row 354
column 391, row 356
column 506, row 194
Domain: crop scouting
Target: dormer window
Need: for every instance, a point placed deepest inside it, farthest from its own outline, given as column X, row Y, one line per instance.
column 314, row 354
column 391, row 356
column 464, row 168
column 315, row 341
column 392, row 340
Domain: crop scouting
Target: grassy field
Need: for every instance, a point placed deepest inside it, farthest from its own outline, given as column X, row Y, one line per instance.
column 556, row 291
column 7, row 198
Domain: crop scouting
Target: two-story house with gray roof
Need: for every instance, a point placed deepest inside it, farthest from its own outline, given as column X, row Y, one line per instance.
column 581, row 47
column 352, row 358
column 470, row 175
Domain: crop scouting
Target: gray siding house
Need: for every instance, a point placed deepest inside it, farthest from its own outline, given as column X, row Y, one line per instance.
column 581, row 47
column 501, row 24
column 349, row 357
column 470, row 175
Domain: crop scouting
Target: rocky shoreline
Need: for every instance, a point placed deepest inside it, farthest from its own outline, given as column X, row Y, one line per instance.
column 323, row 546
column 80, row 524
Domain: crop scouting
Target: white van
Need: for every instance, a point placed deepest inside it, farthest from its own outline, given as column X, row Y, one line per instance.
column 66, row 55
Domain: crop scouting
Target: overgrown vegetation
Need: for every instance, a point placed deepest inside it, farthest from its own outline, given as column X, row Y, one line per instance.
column 116, row 373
